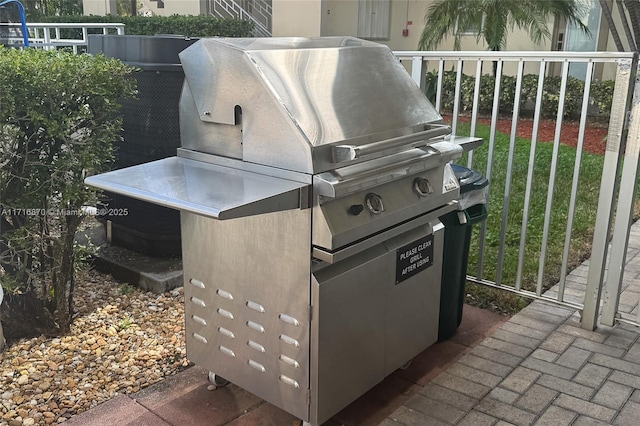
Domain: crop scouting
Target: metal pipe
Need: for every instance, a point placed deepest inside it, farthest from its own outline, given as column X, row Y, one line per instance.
column 606, row 12
column 552, row 177
column 575, row 183
column 23, row 20
column 555, row 56
column 456, row 100
column 474, row 111
column 625, row 26
column 529, row 185
column 492, row 142
column 343, row 153
column 416, row 72
column 439, row 86
column 523, row 293
column 510, row 160
column 634, row 15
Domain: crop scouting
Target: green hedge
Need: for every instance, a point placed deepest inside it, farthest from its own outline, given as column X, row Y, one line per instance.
column 187, row 25
column 58, row 120
column 600, row 98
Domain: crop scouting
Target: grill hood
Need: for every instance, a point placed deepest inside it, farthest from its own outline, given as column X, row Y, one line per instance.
column 288, row 102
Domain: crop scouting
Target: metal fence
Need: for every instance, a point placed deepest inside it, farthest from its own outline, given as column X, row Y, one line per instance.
column 62, row 35
column 513, row 251
column 257, row 11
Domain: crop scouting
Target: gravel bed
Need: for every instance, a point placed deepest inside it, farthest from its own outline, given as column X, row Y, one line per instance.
column 122, row 340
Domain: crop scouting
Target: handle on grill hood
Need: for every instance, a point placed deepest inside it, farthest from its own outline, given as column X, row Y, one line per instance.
column 361, row 176
column 343, row 153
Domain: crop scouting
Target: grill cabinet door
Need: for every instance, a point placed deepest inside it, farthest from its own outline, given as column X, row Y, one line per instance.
column 366, row 324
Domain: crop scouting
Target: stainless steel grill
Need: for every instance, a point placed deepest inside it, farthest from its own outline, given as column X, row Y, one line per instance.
column 310, row 180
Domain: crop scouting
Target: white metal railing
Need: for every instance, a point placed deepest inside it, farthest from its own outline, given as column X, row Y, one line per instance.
column 617, row 184
column 257, row 11
column 69, row 35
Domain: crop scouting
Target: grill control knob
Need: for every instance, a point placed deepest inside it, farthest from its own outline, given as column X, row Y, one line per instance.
column 422, row 186
column 374, row 203
column 356, row 209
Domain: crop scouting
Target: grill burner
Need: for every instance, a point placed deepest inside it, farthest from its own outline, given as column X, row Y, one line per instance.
column 310, row 180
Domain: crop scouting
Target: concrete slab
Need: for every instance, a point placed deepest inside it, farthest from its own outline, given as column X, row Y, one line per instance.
column 155, row 274
column 121, row 410
column 185, row 399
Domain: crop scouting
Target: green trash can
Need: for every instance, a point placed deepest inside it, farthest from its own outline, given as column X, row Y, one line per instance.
column 458, row 225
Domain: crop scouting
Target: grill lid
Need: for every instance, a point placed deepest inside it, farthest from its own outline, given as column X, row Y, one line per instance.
column 295, row 97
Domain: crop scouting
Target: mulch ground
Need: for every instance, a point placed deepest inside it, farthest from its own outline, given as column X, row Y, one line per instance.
column 594, row 137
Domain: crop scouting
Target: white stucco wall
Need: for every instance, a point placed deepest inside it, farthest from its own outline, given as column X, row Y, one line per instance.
column 403, row 12
column 297, row 18
column 609, row 45
column 340, row 17
column 176, row 7
column 99, row 7
column 171, row 7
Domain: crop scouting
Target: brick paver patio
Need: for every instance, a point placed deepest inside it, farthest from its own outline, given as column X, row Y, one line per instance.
column 541, row 368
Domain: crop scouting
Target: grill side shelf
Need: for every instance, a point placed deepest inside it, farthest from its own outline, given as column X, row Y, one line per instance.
column 206, row 189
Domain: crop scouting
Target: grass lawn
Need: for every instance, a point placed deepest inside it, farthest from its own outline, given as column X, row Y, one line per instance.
column 583, row 225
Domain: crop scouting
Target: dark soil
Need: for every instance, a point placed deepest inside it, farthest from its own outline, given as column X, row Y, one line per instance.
column 594, row 137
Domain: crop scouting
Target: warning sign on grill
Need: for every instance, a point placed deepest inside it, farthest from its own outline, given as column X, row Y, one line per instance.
column 413, row 258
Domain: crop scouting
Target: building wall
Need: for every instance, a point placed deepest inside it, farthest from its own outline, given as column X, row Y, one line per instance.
column 176, row 7
column 403, row 13
column 607, row 44
column 99, row 7
column 297, row 18
column 171, row 7
column 340, row 18
column 312, row 18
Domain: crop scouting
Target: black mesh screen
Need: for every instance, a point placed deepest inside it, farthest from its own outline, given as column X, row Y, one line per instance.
column 151, row 131
column 151, row 125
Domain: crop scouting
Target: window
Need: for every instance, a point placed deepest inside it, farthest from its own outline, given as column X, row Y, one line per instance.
column 560, row 44
column 576, row 41
column 373, row 19
column 470, row 29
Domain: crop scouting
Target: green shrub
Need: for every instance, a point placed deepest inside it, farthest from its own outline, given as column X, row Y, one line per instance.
column 601, row 94
column 186, row 25
column 58, row 119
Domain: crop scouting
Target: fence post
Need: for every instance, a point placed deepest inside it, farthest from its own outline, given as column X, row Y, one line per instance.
column 624, row 212
column 47, row 38
column 416, row 72
column 608, row 187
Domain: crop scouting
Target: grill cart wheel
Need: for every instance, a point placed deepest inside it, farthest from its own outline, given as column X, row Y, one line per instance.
column 219, row 381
